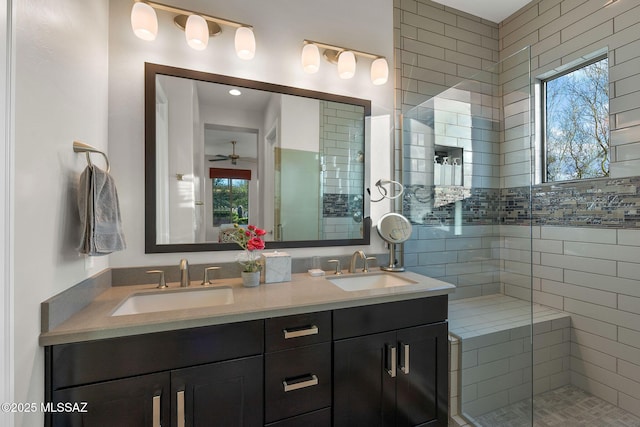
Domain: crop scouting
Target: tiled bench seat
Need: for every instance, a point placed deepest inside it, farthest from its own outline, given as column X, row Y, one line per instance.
column 490, row 343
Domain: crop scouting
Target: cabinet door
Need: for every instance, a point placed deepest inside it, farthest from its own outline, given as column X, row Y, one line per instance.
column 225, row 394
column 364, row 392
column 131, row 402
column 421, row 388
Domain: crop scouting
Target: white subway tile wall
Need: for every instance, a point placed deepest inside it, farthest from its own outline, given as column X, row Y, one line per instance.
column 495, row 344
column 593, row 281
column 341, row 144
column 591, row 272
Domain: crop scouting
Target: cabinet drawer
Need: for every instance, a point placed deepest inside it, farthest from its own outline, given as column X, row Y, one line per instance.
column 102, row 360
column 298, row 330
column 372, row 319
column 320, row 418
column 297, row 381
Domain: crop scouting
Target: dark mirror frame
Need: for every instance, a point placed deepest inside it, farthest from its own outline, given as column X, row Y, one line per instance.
column 151, row 70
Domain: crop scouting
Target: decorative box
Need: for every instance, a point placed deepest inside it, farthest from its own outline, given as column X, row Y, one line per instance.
column 277, row 267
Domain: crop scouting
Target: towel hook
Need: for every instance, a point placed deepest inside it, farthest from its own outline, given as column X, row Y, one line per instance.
column 81, row 147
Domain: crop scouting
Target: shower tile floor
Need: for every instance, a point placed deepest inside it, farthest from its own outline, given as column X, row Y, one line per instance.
column 566, row 406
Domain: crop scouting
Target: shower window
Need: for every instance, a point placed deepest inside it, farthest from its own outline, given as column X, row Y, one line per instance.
column 576, row 122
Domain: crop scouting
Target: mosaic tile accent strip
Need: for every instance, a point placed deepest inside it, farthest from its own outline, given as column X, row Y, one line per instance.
column 609, row 203
column 567, row 406
column 340, row 205
column 601, row 203
column 440, row 205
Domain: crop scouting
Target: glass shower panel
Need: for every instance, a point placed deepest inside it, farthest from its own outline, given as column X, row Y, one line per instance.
column 467, row 161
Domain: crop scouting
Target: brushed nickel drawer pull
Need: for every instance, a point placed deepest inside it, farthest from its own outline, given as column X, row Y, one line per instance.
column 156, row 411
column 291, row 386
column 180, row 397
column 391, row 361
column 300, row 332
column 404, row 358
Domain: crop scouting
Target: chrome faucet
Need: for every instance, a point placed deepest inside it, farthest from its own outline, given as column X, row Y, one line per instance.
column 354, row 258
column 184, row 273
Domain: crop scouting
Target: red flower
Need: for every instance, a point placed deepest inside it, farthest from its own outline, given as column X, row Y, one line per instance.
column 260, row 232
column 255, row 243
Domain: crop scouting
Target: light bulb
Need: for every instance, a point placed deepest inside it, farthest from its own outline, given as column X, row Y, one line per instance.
column 197, row 32
column 245, row 43
column 144, row 21
column 310, row 58
column 346, row 65
column 379, row 71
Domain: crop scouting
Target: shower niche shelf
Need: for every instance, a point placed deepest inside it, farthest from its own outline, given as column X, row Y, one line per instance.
column 447, row 166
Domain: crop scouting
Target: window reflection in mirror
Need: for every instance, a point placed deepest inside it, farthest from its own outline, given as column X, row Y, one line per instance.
column 230, row 197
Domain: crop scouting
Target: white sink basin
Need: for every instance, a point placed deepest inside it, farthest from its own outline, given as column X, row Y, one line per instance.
column 165, row 300
column 370, row 281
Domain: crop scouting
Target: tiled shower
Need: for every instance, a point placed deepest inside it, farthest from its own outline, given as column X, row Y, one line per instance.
column 547, row 298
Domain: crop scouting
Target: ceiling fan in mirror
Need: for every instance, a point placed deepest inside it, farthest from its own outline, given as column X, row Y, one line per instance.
column 233, row 156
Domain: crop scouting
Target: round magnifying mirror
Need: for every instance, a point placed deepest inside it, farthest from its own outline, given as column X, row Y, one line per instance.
column 394, row 228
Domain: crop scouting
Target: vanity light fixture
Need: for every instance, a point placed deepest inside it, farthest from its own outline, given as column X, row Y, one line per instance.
column 197, row 32
column 346, row 60
column 198, row 27
column 245, row 43
column 144, row 21
column 379, row 71
column 310, row 58
column 346, row 64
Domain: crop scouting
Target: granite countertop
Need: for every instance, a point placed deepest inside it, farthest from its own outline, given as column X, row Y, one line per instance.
column 302, row 294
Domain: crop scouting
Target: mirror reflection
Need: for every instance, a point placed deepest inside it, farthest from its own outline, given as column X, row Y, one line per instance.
column 221, row 150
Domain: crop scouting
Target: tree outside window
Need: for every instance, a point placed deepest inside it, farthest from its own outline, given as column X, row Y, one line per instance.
column 230, row 201
column 577, row 123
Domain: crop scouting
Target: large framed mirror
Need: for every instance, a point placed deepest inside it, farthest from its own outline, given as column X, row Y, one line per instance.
column 221, row 150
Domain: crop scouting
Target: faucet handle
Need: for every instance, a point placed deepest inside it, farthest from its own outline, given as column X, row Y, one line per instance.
column 161, row 283
column 365, row 269
column 338, row 268
column 205, row 280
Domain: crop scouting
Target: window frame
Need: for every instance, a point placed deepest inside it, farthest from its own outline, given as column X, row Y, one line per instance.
column 541, row 108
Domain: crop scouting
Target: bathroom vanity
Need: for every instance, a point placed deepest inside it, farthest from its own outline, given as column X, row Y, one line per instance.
column 322, row 357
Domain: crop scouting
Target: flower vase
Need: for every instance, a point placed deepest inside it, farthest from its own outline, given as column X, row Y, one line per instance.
column 250, row 279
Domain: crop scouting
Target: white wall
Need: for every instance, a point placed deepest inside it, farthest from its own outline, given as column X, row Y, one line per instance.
column 60, row 95
column 182, row 117
column 6, row 232
column 280, row 27
column 300, row 123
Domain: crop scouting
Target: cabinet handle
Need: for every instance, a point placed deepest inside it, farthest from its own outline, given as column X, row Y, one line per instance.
column 300, row 332
column 391, row 360
column 180, row 398
column 156, row 411
column 295, row 383
column 404, row 358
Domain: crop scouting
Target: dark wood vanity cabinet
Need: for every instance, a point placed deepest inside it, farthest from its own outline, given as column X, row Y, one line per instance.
column 193, row 377
column 383, row 365
column 390, row 364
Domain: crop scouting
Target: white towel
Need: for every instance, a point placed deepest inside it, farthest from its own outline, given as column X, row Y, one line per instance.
column 99, row 213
